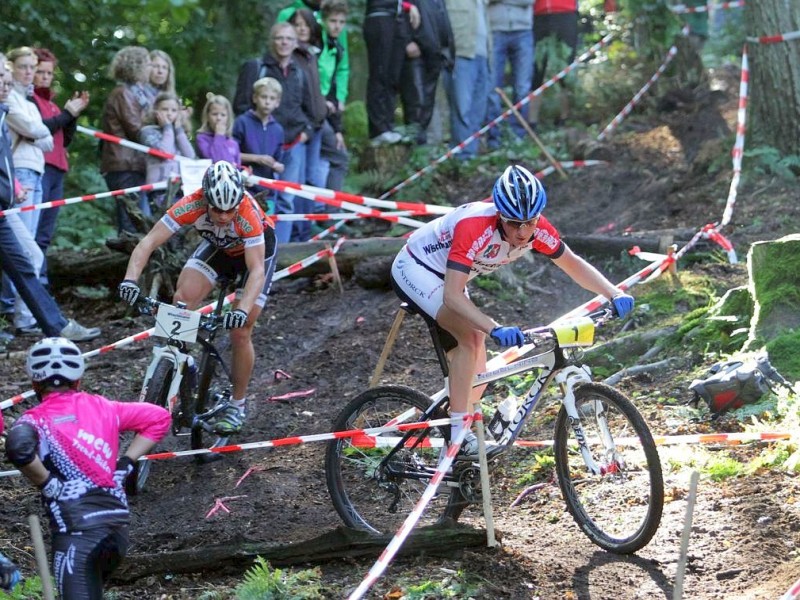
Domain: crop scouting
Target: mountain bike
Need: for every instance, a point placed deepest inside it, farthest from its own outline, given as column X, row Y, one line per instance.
column 194, row 390
column 606, row 462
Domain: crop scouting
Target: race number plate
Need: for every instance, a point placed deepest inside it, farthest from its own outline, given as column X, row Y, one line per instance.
column 575, row 332
column 177, row 323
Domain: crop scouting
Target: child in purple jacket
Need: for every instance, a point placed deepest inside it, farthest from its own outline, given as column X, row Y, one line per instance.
column 214, row 138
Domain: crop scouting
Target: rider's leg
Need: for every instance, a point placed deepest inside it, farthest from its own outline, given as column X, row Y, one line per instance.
column 466, row 360
column 193, row 287
column 243, row 355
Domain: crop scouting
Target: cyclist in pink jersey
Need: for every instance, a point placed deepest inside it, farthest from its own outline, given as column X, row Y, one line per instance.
column 68, row 446
column 239, row 241
column 432, row 270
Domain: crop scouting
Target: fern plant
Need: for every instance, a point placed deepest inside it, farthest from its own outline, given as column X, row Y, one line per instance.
column 262, row 582
column 769, row 160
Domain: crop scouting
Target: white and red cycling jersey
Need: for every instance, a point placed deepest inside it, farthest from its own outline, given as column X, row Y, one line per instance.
column 470, row 239
column 244, row 231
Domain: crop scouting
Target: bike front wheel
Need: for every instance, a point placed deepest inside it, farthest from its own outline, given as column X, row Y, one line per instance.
column 212, row 384
column 619, row 507
column 371, row 493
column 157, row 392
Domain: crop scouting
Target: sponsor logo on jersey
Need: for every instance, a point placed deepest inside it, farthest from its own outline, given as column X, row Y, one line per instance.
column 243, row 224
column 479, row 243
column 188, row 207
column 546, row 238
column 440, row 245
column 492, row 251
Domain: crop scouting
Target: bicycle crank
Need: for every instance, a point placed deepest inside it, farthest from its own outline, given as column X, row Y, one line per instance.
column 469, row 484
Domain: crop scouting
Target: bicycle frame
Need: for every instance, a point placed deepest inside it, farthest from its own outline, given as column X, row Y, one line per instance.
column 173, row 352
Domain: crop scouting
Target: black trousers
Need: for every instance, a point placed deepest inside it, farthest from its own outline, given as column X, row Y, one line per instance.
column 418, row 82
column 386, row 39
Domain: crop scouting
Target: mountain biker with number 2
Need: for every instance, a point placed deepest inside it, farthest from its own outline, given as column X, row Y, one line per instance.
column 432, row 270
column 68, row 447
column 238, row 239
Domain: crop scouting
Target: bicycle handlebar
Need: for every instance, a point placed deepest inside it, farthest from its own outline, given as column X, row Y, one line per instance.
column 539, row 336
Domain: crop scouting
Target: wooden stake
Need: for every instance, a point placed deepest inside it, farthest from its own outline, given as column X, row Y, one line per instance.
column 41, row 558
column 334, row 268
column 531, row 132
column 677, row 591
column 387, row 347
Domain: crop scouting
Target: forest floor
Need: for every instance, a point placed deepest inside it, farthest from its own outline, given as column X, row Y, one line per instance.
column 666, row 173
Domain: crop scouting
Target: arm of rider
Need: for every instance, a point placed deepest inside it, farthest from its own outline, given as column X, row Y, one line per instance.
column 157, row 236
column 139, row 446
column 589, row 278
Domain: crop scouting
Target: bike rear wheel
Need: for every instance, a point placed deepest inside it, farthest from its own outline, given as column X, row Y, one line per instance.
column 370, row 497
column 212, row 384
column 619, row 509
column 157, row 393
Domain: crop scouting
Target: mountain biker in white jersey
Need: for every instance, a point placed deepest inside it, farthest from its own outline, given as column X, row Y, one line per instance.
column 432, row 270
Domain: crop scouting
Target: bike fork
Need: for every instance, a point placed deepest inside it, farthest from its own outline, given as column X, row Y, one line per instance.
column 567, row 379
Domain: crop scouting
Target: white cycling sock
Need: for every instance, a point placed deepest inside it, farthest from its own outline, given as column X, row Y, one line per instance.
column 457, row 427
column 240, row 404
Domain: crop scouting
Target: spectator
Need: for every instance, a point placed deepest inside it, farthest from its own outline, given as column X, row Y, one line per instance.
column 285, row 13
column 68, row 447
column 306, row 55
column 125, row 107
column 62, row 127
column 468, row 84
column 432, row 48
column 334, row 79
column 293, row 113
column 165, row 129
column 259, row 135
column 559, row 19
column 387, row 32
column 214, row 138
column 16, row 252
column 512, row 41
column 30, row 136
column 162, row 75
column 9, row 574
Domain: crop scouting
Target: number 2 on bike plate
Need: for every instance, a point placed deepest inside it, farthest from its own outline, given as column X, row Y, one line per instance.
column 177, row 323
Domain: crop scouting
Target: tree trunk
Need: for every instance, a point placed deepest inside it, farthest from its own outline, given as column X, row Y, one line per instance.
column 235, row 556
column 774, row 76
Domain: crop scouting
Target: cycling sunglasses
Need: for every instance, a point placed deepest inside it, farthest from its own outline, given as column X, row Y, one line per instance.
column 519, row 224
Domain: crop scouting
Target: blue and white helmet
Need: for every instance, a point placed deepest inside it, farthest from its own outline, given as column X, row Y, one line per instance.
column 54, row 360
column 518, row 195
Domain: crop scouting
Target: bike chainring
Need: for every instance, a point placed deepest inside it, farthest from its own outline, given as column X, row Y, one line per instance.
column 469, row 483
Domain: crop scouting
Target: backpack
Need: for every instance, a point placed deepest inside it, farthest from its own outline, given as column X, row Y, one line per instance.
column 733, row 384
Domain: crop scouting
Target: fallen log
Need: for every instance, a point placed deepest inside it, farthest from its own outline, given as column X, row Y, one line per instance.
column 67, row 268
column 235, row 556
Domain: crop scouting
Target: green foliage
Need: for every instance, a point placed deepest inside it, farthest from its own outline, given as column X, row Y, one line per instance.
column 541, row 469
column 770, row 161
column 29, row 588
column 724, row 466
column 783, row 354
column 456, row 585
column 262, row 582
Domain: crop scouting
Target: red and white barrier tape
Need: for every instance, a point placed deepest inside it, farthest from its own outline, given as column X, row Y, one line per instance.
column 774, row 39
column 505, row 115
column 682, row 9
column 86, row 198
column 337, row 216
column 793, row 593
column 638, row 96
column 405, row 529
column 738, row 146
column 107, row 137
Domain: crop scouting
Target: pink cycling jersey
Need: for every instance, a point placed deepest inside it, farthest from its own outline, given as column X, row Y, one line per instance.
column 470, row 239
column 79, row 432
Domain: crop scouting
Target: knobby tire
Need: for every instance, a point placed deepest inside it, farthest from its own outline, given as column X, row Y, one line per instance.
column 374, row 500
column 157, row 393
column 209, row 382
column 620, row 510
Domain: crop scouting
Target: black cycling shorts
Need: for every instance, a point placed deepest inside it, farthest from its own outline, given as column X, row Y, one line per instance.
column 83, row 560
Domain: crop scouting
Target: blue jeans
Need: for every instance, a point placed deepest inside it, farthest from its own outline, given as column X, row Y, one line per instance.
column 467, row 91
column 26, row 279
column 515, row 47
column 52, row 189
column 294, row 160
column 119, row 180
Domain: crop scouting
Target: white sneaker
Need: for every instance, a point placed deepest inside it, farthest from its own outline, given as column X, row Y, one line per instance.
column 387, row 137
column 78, row 333
column 469, row 449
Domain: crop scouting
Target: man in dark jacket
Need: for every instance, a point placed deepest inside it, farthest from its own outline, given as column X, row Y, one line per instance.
column 294, row 112
column 431, row 49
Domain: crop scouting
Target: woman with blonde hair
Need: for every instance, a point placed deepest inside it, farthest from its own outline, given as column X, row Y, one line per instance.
column 162, row 74
column 125, row 107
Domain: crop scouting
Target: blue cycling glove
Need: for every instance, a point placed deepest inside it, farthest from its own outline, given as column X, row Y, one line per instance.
column 623, row 304
column 507, row 336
